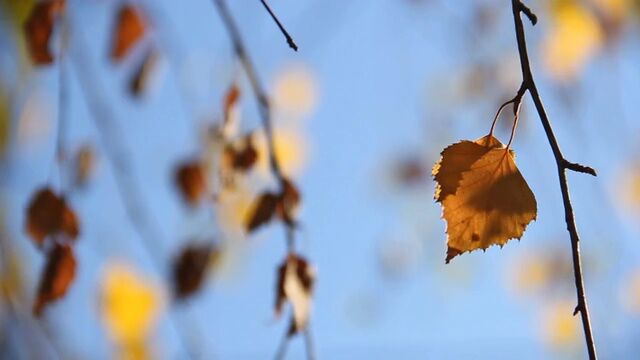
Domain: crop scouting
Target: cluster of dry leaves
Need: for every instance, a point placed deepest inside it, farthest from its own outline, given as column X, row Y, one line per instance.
column 54, row 226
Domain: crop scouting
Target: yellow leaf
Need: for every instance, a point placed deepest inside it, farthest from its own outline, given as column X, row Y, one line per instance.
column 485, row 199
column 455, row 160
column 130, row 304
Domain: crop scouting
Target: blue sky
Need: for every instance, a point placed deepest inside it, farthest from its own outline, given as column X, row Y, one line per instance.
column 383, row 72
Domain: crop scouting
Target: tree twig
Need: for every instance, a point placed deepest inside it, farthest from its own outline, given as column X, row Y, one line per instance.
column 562, row 164
column 284, row 31
column 267, row 124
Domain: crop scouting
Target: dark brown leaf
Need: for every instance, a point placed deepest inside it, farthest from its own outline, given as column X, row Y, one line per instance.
column 38, row 29
column 243, row 157
column 130, row 28
column 56, row 277
column 190, row 269
column 191, row 182
column 288, row 202
column 48, row 215
column 263, row 210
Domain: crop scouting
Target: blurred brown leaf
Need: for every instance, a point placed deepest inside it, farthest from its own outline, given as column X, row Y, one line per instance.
column 230, row 99
column 288, row 202
column 143, row 75
column 262, row 211
column 191, row 182
column 242, row 157
column 49, row 215
column 38, row 29
column 269, row 204
column 190, row 269
column 84, row 164
column 130, row 28
column 295, row 281
column 56, row 277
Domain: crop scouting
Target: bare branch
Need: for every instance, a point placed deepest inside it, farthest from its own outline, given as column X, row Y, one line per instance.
column 562, row 165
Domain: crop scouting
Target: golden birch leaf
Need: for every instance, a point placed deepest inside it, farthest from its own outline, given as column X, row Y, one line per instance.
column 455, row 160
column 492, row 202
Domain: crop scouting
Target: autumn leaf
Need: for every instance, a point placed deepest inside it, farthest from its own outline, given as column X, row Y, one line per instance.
column 39, row 27
column 282, row 204
column 288, row 201
column 130, row 28
column 262, row 211
column 48, row 215
column 190, row 269
column 56, row 277
column 230, row 100
column 243, row 156
column 485, row 199
column 141, row 79
column 295, row 281
column 84, row 164
column 455, row 160
column 191, row 182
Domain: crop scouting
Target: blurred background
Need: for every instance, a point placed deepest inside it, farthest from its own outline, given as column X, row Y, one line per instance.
column 361, row 113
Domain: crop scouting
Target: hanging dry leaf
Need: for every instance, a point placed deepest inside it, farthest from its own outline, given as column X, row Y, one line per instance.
column 262, row 211
column 485, row 199
column 84, row 164
column 295, row 283
column 56, row 277
column 130, row 28
column 190, row 269
column 455, row 160
column 269, row 204
column 38, row 29
column 289, row 201
column 243, row 156
column 230, row 100
column 48, row 215
column 191, row 182
column 141, row 79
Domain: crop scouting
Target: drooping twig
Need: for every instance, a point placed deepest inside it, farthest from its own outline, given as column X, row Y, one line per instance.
column 284, row 31
column 528, row 84
column 267, row 124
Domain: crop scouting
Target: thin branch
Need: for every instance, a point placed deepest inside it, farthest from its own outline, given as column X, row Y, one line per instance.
column 562, row 164
column 284, row 31
column 267, row 124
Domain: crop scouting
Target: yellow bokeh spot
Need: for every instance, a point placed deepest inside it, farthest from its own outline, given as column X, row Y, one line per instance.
column 560, row 329
column 295, row 91
column 529, row 275
column 233, row 208
column 575, row 36
column 130, row 303
column 290, row 148
column 629, row 189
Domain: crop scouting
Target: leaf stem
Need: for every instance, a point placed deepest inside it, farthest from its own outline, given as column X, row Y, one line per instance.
column 528, row 84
